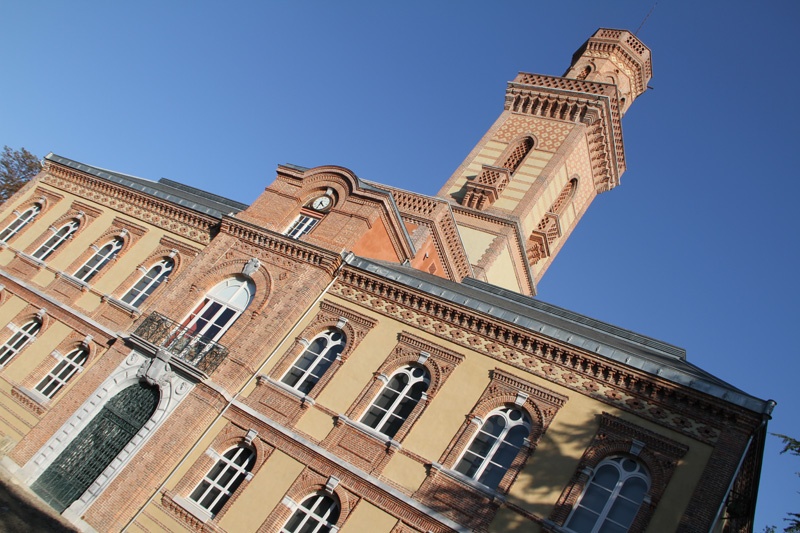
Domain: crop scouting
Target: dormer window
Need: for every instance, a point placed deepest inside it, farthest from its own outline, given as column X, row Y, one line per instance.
column 310, row 215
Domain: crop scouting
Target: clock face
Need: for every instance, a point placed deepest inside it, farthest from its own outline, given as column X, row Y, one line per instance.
column 321, row 203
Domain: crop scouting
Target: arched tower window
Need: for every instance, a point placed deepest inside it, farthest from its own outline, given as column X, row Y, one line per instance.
column 100, row 259
column 20, row 222
column 317, row 514
column 224, row 478
column 19, row 340
column 495, row 446
column 311, row 365
column 564, row 196
column 397, row 399
column 57, row 239
column 220, row 308
column 93, row 449
column 612, row 497
column 517, row 155
column 149, row 282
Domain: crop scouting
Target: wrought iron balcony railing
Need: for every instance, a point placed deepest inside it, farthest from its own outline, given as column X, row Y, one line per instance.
column 200, row 352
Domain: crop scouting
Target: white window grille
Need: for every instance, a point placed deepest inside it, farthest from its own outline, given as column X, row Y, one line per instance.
column 317, row 514
column 612, row 497
column 57, row 239
column 149, row 282
column 495, row 446
column 315, row 360
column 223, row 479
column 397, row 400
column 19, row 222
column 19, row 340
column 219, row 309
column 62, row 372
column 100, row 259
column 301, row 225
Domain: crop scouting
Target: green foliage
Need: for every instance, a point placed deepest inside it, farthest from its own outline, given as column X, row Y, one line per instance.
column 791, row 446
column 16, row 168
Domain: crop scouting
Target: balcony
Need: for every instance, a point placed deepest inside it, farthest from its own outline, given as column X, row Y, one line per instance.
column 199, row 353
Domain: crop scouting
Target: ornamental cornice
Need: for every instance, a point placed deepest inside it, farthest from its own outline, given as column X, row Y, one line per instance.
column 168, row 216
column 279, row 249
column 678, row 408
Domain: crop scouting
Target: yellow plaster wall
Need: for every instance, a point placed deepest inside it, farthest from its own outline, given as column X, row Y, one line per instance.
column 192, row 457
column 502, row 271
column 263, row 493
column 476, row 242
column 315, row 423
column 154, row 518
column 405, row 471
column 367, row 517
column 33, row 230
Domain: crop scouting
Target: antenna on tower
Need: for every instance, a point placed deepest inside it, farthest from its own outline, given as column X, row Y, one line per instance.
column 645, row 19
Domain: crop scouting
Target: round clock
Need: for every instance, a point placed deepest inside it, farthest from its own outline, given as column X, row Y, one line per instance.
column 321, row 203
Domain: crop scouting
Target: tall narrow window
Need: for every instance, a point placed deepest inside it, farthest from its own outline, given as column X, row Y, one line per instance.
column 219, row 309
column 223, row 479
column 100, row 259
column 155, row 276
column 317, row 514
column 20, row 222
column 315, row 360
column 397, row 399
column 517, row 155
column 612, row 497
column 57, row 239
column 62, row 372
column 19, row 340
column 301, row 225
column 495, row 446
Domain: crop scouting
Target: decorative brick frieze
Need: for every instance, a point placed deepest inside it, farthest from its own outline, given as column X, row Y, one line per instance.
column 161, row 213
column 615, row 436
column 691, row 413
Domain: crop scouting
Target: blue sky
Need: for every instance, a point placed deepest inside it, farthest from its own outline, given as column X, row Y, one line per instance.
column 697, row 247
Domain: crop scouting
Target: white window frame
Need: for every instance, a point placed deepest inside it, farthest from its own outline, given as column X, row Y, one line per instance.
column 22, row 220
column 60, row 235
column 301, row 226
column 19, row 340
column 241, row 472
column 136, row 296
column 625, row 476
column 324, row 522
column 389, row 413
column 210, row 300
column 99, row 259
column 335, row 342
column 505, row 414
column 62, row 372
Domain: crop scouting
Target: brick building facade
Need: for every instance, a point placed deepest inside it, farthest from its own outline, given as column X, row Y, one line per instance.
column 343, row 355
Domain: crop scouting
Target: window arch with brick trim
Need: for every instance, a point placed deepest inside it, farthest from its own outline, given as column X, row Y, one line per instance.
column 101, row 257
column 26, row 213
column 202, row 495
column 317, row 513
column 55, row 239
column 17, row 342
column 397, row 399
column 523, row 407
column 617, row 438
column 148, row 282
column 612, row 497
column 51, row 242
column 62, row 372
column 220, row 308
column 311, row 365
column 20, row 220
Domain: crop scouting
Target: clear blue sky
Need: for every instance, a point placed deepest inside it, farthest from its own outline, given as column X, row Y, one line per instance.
column 697, row 247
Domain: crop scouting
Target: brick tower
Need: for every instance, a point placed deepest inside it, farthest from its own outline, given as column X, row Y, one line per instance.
column 557, row 144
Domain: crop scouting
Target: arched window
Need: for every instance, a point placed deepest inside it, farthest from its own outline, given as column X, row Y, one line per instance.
column 155, row 276
column 19, row 340
column 100, row 259
column 612, row 497
column 62, row 372
column 397, row 399
column 223, row 479
column 317, row 514
column 220, row 308
column 57, row 239
column 20, row 222
column 311, row 365
column 517, row 155
column 495, row 446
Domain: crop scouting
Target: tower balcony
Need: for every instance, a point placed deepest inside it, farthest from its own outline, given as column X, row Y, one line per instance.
column 196, row 355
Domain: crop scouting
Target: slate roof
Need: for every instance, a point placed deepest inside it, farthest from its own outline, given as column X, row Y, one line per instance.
column 172, row 191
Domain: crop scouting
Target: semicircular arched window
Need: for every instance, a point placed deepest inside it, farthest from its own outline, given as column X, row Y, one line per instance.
column 220, row 308
column 315, row 360
column 397, row 399
column 21, row 338
column 495, row 446
column 99, row 259
column 21, row 220
column 58, row 238
column 149, row 282
column 317, row 514
column 612, row 497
